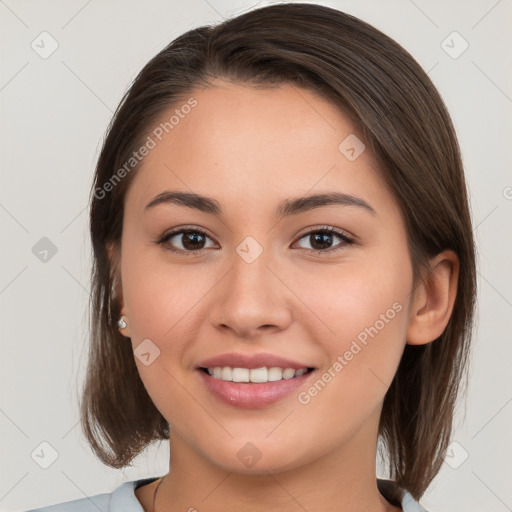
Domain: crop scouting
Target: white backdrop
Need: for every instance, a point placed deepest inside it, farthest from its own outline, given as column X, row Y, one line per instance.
column 58, row 91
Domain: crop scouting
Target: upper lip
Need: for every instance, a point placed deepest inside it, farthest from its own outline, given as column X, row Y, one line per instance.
column 237, row 360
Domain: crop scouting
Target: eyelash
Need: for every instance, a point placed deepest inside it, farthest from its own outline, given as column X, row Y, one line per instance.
column 324, row 230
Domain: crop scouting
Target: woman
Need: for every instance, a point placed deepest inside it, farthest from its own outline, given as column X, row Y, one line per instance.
column 284, row 271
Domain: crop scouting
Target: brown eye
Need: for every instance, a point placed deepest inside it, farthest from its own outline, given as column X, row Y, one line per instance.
column 185, row 240
column 190, row 241
column 321, row 240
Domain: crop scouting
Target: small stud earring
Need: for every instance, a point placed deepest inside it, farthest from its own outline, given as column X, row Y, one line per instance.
column 122, row 323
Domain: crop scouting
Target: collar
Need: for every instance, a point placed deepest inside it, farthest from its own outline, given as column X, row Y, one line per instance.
column 123, row 498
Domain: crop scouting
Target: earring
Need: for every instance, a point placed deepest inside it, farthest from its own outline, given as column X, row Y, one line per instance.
column 122, row 322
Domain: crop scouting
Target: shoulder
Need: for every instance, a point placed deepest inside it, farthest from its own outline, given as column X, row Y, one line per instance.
column 398, row 496
column 122, row 499
column 97, row 503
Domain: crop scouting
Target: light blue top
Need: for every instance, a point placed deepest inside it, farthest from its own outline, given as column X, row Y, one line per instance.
column 123, row 499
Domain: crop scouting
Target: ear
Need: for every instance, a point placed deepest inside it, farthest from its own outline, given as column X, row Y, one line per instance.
column 434, row 299
column 117, row 289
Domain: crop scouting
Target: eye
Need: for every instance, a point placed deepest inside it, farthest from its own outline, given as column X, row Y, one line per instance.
column 188, row 240
column 321, row 240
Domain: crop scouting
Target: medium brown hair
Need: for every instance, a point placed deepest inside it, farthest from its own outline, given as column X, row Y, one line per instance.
column 395, row 106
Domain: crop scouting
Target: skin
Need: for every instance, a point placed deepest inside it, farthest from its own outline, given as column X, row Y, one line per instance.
column 250, row 149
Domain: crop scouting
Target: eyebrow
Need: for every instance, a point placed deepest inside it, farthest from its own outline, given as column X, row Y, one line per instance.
column 286, row 208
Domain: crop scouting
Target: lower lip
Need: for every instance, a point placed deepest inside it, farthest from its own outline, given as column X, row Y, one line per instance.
column 252, row 395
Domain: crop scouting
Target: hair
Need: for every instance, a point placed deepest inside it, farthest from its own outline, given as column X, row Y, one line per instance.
column 392, row 101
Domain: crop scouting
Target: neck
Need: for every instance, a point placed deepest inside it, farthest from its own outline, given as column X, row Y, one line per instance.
column 343, row 479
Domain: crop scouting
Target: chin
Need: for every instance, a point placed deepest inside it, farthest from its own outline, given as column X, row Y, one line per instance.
column 252, row 457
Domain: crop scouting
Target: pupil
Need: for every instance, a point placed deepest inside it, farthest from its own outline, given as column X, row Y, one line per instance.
column 195, row 238
column 319, row 237
column 193, row 241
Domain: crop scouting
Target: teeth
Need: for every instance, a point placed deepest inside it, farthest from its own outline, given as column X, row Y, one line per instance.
column 227, row 373
column 258, row 375
column 263, row 374
column 240, row 374
column 289, row 373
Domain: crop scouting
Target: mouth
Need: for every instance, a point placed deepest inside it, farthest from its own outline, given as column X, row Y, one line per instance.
column 251, row 386
column 254, row 375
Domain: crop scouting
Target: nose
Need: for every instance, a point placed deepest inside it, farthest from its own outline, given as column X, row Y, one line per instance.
column 252, row 299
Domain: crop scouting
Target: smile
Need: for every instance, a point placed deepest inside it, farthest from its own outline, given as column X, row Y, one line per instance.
column 247, row 394
column 252, row 381
column 259, row 375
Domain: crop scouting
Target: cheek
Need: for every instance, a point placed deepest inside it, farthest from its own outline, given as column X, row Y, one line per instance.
column 157, row 297
column 361, row 325
column 159, row 303
column 353, row 295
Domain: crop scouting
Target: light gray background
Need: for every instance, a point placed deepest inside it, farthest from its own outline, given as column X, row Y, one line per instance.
column 54, row 113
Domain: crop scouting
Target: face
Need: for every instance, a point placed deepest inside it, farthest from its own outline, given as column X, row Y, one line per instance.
column 320, row 284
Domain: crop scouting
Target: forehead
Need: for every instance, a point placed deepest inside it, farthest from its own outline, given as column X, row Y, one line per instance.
column 239, row 143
